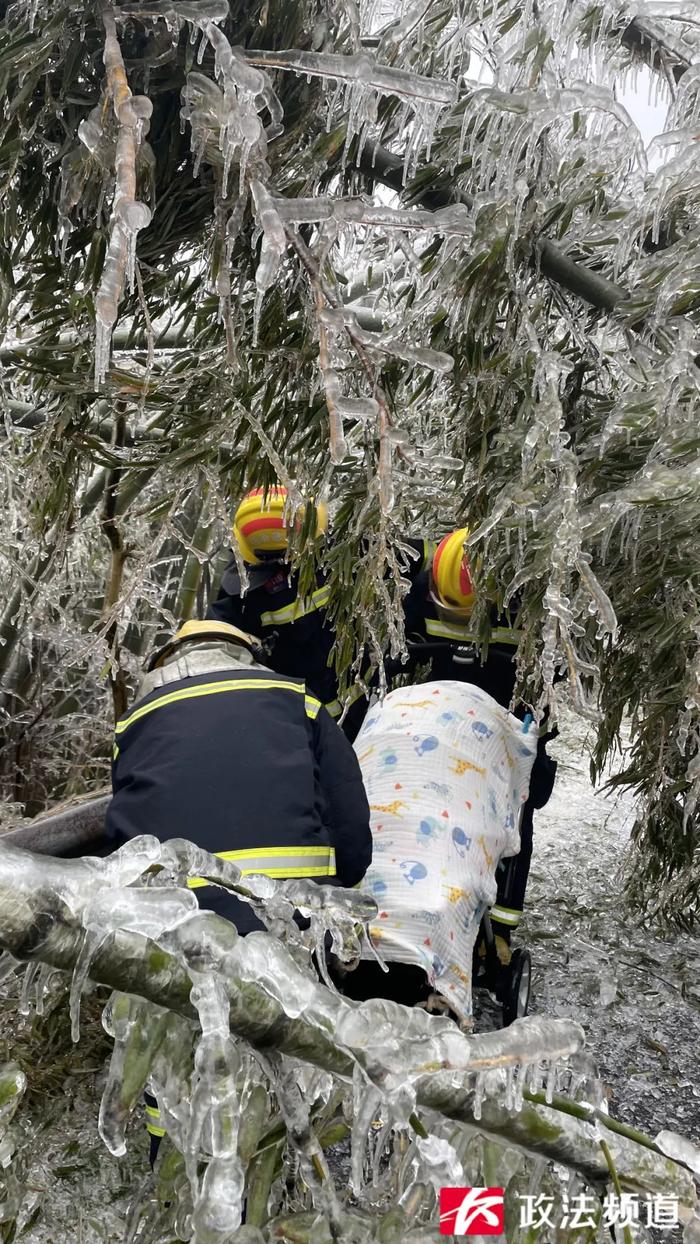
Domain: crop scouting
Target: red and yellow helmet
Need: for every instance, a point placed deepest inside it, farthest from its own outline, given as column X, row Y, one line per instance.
column 259, row 528
column 452, row 580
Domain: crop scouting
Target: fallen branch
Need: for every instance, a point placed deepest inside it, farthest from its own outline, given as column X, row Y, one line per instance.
column 39, row 898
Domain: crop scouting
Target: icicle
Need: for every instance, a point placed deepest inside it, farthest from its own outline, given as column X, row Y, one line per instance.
column 43, row 980
column 366, row 1104
column 385, row 476
column 8, row 966
column 550, row 1082
column 30, row 974
column 274, row 245
column 479, row 1094
column 215, row 1113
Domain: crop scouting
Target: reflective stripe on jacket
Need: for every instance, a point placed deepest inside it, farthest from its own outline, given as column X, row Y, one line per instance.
column 492, row 669
column 303, row 637
column 437, row 628
column 248, row 766
column 278, row 862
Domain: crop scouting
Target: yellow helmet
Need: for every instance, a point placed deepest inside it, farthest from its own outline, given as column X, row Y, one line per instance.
column 452, row 579
column 204, row 630
column 259, row 529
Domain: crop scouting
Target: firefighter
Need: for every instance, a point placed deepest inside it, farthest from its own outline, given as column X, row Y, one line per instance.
column 246, row 764
column 298, row 637
column 438, row 610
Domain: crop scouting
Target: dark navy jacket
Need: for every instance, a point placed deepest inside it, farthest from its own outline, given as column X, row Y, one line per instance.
column 300, row 639
column 242, row 761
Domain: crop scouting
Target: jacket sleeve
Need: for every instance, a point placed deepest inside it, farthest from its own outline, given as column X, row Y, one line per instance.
column 345, row 798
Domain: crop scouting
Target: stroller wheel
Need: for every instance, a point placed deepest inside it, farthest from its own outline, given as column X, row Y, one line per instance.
column 517, row 992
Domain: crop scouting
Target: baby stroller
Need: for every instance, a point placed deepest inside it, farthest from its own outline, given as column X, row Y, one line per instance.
column 508, row 983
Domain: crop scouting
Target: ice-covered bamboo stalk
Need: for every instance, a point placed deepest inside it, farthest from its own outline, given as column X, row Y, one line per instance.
column 62, row 830
column 275, row 1005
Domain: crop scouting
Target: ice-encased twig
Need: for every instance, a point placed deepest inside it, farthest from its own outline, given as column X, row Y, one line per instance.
column 360, row 68
column 274, row 1004
column 337, row 443
column 128, row 214
column 455, row 220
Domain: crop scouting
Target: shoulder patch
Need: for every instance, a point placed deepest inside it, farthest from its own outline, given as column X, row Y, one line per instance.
column 276, row 583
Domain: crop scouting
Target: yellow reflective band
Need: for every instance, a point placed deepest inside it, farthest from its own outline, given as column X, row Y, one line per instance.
column 115, row 753
column 312, row 706
column 505, row 635
column 298, row 609
column 153, row 1125
column 335, row 708
column 506, row 915
column 278, row 862
column 453, row 630
column 448, row 630
column 212, row 688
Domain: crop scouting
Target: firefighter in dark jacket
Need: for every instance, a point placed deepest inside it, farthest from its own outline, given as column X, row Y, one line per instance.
column 437, row 610
column 245, row 763
column 298, row 637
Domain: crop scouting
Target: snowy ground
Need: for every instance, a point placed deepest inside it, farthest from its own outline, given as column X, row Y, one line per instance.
column 636, row 995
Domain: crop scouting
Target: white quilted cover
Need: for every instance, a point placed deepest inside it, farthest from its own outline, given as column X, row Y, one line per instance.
column 446, row 771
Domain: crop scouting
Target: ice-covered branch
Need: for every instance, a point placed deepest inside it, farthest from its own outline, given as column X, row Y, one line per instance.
column 379, row 164
column 363, row 70
column 337, row 444
column 360, row 80
column 129, row 215
column 453, row 221
column 86, row 913
column 652, row 45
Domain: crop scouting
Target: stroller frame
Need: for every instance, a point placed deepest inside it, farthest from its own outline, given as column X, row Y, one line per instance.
column 509, row 983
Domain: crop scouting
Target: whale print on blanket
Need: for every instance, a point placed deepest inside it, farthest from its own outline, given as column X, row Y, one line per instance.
column 462, row 764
